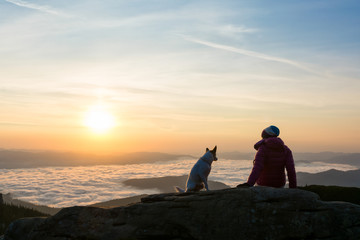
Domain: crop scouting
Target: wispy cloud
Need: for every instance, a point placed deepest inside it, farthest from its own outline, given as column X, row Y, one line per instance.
column 238, row 29
column 41, row 8
column 250, row 53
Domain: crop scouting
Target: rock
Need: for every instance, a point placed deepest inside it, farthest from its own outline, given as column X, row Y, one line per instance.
column 120, row 202
column 21, row 228
column 248, row 213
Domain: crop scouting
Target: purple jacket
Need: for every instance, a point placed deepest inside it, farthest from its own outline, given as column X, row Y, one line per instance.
column 271, row 160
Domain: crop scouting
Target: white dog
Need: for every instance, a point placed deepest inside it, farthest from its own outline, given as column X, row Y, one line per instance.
column 198, row 176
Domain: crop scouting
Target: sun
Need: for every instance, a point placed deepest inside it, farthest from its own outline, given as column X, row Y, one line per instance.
column 99, row 119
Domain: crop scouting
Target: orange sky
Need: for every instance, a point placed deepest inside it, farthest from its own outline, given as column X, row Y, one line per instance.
column 304, row 137
column 180, row 76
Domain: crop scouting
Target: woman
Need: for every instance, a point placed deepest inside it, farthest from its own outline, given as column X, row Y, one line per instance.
column 271, row 160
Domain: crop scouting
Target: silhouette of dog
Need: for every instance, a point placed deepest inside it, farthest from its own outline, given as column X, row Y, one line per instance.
column 199, row 173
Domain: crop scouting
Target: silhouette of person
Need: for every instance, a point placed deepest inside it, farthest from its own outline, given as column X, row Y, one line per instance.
column 271, row 160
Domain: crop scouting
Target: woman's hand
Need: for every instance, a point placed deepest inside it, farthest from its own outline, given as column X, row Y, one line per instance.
column 243, row 185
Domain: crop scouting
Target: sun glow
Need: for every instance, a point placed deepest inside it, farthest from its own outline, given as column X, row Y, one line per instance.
column 99, row 119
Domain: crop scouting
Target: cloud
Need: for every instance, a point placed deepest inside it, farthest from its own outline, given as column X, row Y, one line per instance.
column 250, row 53
column 231, row 30
column 238, row 29
column 41, row 8
column 70, row 186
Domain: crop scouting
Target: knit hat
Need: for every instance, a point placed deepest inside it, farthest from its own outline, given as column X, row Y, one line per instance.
column 271, row 131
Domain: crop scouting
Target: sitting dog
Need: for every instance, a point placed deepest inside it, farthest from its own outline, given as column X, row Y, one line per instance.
column 198, row 176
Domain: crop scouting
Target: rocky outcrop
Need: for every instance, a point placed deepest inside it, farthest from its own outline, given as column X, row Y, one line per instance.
column 249, row 213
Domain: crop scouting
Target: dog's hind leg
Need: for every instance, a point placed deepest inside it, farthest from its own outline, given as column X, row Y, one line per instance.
column 199, row 187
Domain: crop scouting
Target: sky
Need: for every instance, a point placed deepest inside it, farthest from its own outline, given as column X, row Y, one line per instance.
column 179, row 76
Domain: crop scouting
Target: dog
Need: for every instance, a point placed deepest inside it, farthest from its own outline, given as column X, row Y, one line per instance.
column 199, row 173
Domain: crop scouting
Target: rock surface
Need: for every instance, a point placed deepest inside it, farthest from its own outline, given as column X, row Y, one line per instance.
column 248, row 213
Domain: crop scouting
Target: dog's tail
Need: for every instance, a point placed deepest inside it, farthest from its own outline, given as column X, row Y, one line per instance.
column 179, row 189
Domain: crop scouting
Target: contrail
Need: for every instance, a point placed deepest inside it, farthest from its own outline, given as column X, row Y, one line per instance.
column 40, row 8
column 250, row 53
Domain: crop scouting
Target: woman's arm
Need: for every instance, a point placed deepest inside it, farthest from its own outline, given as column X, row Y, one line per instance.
column 290, row 169
column 258, row 166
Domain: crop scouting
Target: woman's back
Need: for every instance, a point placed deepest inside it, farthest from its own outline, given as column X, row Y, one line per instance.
column 271, row 160
column 274, row 154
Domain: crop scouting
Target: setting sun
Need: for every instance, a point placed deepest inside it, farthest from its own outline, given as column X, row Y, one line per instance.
column 99, row 119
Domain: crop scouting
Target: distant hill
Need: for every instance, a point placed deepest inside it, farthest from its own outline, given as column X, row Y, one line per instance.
column 167, row 184
column 331, row 177
column 329, row 157
column 7, row 199
column 46, row 211
column 236, row 155
column 320, row 156
column 350, row 158
column 9, row 213
column 26, row 159
column 337, row 157
column 31, row 159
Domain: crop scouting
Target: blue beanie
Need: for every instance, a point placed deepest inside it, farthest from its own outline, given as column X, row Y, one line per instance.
column 272, row 131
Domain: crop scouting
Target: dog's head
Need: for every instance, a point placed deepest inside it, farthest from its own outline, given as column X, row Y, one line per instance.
column 213, row 152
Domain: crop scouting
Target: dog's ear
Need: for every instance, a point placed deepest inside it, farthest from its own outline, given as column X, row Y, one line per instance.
column 214, row 150
column 207, row 150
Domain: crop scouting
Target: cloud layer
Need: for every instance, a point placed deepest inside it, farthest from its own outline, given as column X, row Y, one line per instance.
column 70, row 186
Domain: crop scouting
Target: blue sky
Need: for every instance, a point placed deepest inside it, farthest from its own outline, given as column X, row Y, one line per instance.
column 217, row 71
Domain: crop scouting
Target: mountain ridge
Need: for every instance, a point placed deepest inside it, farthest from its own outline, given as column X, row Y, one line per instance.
column 350, row 178
column 12, row 159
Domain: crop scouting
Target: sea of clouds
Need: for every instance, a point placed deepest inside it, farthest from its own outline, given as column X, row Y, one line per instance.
column 70, row 186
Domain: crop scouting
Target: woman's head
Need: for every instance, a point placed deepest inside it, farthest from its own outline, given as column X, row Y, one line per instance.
column 270, row 131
